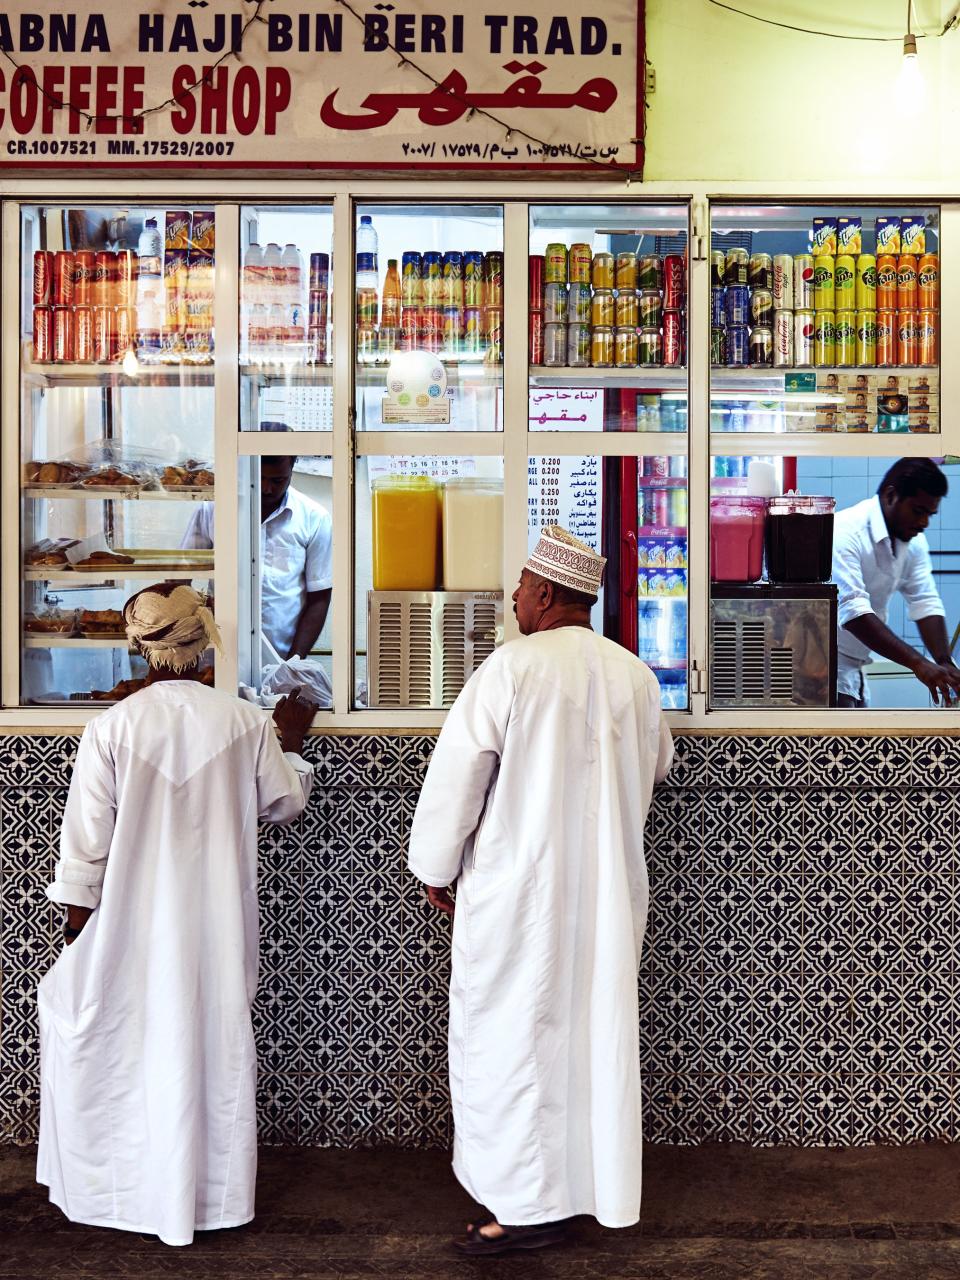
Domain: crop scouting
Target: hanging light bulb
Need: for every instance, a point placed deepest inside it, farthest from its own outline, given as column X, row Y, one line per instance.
column 130, row 364
column 910, row 85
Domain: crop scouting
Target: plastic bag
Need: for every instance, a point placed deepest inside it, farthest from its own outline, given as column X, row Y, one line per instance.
column 297, row 674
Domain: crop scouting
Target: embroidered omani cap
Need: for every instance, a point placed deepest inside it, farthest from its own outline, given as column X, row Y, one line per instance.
column 560, row 557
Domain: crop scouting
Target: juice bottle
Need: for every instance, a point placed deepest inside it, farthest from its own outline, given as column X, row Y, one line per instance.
column 390, row 307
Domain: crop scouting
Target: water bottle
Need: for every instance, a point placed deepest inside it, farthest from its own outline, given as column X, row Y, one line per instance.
column 367, row 269
column 150, row 249
column 272, row 301
column 292, row 273
column 149, row 318
column 251, row 300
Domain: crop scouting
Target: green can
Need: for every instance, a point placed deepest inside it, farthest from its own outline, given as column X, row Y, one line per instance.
column 866, row 274
column 718, row 346
column 844, row 284
column 823, row 283
column 555, row 264
column 824, row 339
column 866, row 337
column 845, row 339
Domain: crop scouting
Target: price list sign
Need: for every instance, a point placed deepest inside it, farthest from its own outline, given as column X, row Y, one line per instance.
column 564, row 491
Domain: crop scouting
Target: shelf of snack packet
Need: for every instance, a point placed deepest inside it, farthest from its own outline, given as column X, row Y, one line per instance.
column 89, row 562
column 107, row 469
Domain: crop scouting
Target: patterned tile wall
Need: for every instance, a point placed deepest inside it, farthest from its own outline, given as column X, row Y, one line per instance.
column 800, row 984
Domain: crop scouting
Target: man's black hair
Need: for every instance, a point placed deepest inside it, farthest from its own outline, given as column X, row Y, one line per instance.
column 274, row 459
column 910, row 476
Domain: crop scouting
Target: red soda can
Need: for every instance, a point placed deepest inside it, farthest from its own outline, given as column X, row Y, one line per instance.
column 127, row 269
column 125, row 331
column 83, row 334
column 674, row 290
column 656, row 467
column 42, row 334
column 103, row 331
column 673, row 337
column 431, row 341
column 42, row 277
column 104, row 279
column 431, row 320
column 908, row 334
column 409, row 327
column 535, row 328
column 536, row 283
column 63, row 340
column 64, row 277
column 84, row 269
column 661, row 508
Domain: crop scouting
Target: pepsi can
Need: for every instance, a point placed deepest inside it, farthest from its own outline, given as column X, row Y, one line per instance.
column 737, row 305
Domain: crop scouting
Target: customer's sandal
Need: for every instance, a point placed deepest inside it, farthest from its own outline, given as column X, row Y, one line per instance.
column 539, row 1236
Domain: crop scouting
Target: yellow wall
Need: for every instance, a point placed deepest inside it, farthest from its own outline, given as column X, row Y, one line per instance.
column 739, row 100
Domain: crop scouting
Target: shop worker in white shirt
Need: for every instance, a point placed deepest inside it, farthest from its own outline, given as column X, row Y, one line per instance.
column 295, row 573
column 534, row 805
column 147, row 1060
column 879, row 548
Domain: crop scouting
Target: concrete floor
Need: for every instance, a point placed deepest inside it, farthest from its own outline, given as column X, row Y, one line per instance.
column 714, row 1212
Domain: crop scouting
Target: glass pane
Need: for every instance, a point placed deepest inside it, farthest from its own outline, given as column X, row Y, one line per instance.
column 286, row 309
column 117, row 415
column 825, row 318
column 429, row 312
column 607, row 324
column 790, row 573
column 429, row 576
column 634, row 512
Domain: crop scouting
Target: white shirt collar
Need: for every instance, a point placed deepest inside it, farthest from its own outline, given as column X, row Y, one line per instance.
column 284, row 506
column 877, row 524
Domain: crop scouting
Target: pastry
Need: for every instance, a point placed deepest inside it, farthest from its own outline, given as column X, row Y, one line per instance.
column 48, row 623
column 102, row 622
column 202, row 478
column 50, row 558
column 109, row 478
column 97, row 559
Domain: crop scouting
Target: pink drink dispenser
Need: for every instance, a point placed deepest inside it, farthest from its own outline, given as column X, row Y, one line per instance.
column 736, row 538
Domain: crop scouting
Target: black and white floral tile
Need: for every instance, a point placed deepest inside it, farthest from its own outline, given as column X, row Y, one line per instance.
column 800, row 982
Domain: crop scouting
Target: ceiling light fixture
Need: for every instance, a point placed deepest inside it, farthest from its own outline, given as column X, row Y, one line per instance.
column 909, row 40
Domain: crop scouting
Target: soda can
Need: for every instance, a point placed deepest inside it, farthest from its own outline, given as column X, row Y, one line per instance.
column 128, row 270
column 660, row 508
column 651, row 347
column 430, row 320
column 866, row 282
column 554, row 345
column 886, row 339
column 908, row 337
column 760, row 271
column 845, row 338
column 473, row 332
column 673, row 338
column 104, row 279
column 84, row 271
column 655, row 466
column 367, row 308
column 367, row 345
column 317, row 308
column 737, row 304
column 493, row 333
column 431, row 278
column 493, row 278
column 64, row 347
column 409, row 278
column 42, row 277
column 409, row 327
column 782, row 282
column 824, row 339
column 761, row 345
column 125, row 331
column 736, row 266
column 535, row 281
column 928, row 282
column 64, row 279
column 678, row 508
column 579, row 345
column 451, row 290
column 718, row 346
column 555, row 303
column 320, row 269
column 783, row 322
column 651, row 309
column 630, row 272
column 737, row 346
column 42, row 334
column 717, row 312
column 83, row 334
column 886, row 282
column 626, row 348
column 803, row 282
column 626, row 310
column 866, row 337
column 473, row 278
column 717, row 268
column 432, row 341
column 761, row 308
column 928, row 335
column 555, row 264
column 579, row 299
column 603, row 308
column 451, row 324
column 803, row 337
column 823, row 283
column 535, row 328
column 579, row 262
column 674, row 285
column 844, row 283
column 601, row 347
column 907, row 288
column 602, row 271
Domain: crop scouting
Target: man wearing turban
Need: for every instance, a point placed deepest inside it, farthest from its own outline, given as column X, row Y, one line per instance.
column 148, row 1067
column 534, row 804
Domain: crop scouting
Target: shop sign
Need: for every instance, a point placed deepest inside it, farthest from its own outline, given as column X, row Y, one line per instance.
column 516, row 85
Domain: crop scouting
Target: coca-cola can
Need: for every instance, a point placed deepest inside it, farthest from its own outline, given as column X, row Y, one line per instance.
column 42, row 334
column 125, row 331
column 783, row 282
column 83, row 334
column 42, row 277
column 783, row 320
column 84, row 265
column 103, row 331
column 673, row 337
column 127, row 269
column 63, row 278
column 536, row 337
column 674, row 289
column 104, row 279
column 63, row 340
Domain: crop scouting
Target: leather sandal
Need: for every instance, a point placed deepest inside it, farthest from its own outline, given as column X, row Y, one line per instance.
column 539, row 1236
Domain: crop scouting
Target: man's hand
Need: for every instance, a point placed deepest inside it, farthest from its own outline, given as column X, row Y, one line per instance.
column 293, row 716
column 441, row 899
column 942, row 679
column 77, row 917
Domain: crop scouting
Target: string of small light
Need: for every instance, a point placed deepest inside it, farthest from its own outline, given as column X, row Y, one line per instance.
column 950, row 23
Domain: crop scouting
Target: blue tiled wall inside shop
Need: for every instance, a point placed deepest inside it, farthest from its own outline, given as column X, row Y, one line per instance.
column 800, row 984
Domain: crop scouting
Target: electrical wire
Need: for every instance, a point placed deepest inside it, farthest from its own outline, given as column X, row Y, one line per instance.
column 837, row 35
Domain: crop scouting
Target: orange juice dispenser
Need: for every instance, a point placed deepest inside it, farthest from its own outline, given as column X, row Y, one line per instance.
column 406, row 533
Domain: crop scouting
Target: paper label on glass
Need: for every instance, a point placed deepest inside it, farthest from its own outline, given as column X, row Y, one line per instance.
column 435, row 413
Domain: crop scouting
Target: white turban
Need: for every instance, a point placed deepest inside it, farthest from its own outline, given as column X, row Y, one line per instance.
column 171, row 625
column 560, row 557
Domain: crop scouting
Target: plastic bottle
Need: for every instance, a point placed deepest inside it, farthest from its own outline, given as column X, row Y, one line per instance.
column 150, row 249
column 292, row 272
column 250, row 300
column 390, row 307
column 272, row 299
column 368, row 275
column 149, row 319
